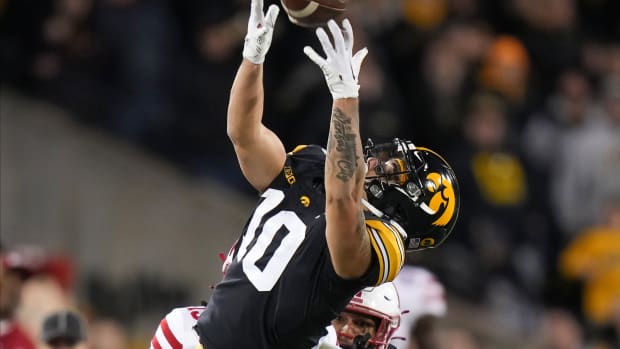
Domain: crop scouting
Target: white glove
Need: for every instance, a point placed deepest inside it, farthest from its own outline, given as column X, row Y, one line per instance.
column 260, row 32
column 341, row 68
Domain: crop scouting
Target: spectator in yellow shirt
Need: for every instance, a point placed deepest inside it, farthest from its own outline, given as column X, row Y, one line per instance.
column 594, row 257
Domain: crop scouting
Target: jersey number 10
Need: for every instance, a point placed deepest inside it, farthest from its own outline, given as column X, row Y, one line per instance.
column 265, row 279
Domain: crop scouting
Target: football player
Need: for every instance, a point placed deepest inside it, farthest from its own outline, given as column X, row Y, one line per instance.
column 328, row 222
column 368, row 321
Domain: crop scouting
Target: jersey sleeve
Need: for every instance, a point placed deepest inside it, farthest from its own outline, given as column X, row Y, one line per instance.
column 388, row 248
column 309, row 152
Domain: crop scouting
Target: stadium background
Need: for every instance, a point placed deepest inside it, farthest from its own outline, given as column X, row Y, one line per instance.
column 115, row 163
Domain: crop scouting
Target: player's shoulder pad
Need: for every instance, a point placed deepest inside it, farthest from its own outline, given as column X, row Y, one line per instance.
column 387, row 244
column 304, row 162
column 308, row 150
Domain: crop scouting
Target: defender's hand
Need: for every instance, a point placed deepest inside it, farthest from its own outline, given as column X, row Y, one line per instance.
column 260, row 31
column 341, row 68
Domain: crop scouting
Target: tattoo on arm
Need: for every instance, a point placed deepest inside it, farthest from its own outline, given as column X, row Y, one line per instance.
column 345, row 138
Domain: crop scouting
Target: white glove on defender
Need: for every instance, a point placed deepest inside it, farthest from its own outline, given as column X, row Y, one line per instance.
column 260, row 32
column 341, row 68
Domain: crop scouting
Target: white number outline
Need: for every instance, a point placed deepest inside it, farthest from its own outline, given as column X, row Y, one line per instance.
column 265, row 279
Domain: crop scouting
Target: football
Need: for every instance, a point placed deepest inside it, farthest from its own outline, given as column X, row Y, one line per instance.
column 313, row 13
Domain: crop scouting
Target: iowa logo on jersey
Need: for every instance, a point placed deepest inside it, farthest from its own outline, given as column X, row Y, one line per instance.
column 442, row 204
column 304, row 200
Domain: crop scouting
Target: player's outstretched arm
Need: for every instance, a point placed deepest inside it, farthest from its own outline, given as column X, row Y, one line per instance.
column 260, row 152
column 345, row 170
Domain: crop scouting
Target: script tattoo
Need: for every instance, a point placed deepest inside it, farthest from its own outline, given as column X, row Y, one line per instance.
column 345, row 144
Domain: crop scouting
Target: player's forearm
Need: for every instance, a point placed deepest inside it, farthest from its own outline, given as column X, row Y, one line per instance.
column 344, row 166
column 245, row 108
column 344, row 172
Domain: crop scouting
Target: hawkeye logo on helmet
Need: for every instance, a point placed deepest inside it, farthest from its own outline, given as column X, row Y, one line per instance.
column 443, row 202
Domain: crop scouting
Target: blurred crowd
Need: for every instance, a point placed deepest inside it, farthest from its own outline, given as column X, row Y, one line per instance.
column 40, row 306
column 521, row 96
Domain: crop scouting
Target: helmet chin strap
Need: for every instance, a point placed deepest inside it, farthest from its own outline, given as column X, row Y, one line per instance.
column 427, row 209
column 377, row 212
column 372, row 209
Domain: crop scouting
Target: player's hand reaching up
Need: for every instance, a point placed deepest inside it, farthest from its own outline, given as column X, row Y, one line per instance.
column 340, row 67
column 260, row 32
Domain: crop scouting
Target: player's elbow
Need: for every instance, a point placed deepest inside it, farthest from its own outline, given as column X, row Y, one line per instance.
column 234, row 134
column 343, row 204
column 348, row 271
column 351, row 260
column 239, row 136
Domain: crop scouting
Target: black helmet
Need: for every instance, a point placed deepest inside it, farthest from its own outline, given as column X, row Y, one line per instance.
column 421, row 194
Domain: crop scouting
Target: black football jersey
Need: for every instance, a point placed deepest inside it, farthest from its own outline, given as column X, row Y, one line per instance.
column 280, row 289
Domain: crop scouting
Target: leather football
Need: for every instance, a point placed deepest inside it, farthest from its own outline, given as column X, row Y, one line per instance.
column 313, row 13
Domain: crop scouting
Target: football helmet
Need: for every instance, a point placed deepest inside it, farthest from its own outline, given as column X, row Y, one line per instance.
column 420, row 192
column 381, row 303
